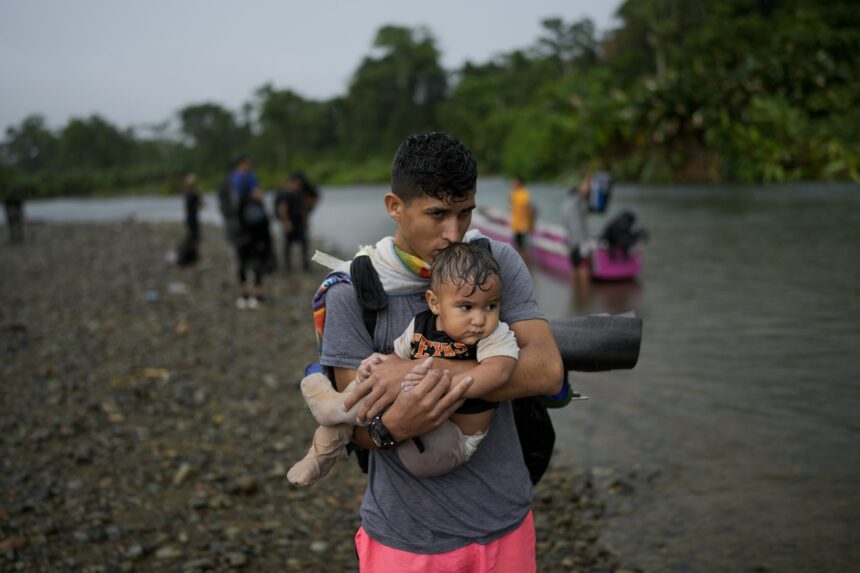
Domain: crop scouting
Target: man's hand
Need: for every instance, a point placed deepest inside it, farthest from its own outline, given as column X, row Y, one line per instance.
column 381, row 387
column 426, row 405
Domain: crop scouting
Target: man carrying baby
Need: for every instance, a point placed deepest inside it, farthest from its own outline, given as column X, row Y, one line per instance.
column 477, row 516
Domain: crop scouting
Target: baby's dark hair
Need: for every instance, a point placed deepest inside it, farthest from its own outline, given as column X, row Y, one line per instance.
column 433, row 164
column 464, row 264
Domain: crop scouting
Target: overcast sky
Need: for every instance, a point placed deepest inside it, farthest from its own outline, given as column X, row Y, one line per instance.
column 138, row 62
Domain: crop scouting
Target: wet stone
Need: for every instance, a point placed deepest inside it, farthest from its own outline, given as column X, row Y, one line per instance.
column 168, row 552
column 319, row 546
column 244, row 485
column 236, row 560
column 195, row 565
column 84, row 455
column 81, row 536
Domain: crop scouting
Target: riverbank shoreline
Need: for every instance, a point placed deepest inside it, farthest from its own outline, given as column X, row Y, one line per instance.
column 148, row 423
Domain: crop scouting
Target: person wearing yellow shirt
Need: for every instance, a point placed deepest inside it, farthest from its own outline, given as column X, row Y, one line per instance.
column 522, row 219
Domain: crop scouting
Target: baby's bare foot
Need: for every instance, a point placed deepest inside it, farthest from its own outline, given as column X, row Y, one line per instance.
column 326, row 403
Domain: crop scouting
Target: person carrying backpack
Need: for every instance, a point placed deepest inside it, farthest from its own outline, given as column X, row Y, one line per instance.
column 254, row 248
column 478, row 515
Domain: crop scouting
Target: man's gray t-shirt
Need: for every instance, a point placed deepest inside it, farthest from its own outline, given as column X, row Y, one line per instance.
column 482, row 500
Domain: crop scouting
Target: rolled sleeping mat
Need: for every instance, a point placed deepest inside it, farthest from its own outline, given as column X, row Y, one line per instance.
column 598, row 342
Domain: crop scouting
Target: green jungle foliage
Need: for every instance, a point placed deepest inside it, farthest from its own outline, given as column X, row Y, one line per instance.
column 725, row 90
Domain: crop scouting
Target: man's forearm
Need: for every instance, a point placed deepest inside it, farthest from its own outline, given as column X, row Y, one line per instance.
column 539, row 369
column 489, row 375
column 528, row 379
column 361, row 437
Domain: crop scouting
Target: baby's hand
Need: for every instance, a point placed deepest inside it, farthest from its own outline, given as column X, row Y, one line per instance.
column 416, row 375
column 365, row 368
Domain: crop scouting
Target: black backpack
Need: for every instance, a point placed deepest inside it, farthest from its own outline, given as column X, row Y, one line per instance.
column 620, row 233
column 534, row 426
column 253, row 213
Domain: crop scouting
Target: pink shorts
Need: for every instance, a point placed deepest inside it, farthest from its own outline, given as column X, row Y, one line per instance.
column 515, row 553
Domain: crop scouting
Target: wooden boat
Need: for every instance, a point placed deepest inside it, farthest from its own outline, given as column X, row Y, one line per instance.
column 548, row 248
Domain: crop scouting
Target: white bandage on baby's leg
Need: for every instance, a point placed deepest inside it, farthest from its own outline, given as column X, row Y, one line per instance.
column 471, row 443
column 444, row 450
column 328, row 443
column 326, row 403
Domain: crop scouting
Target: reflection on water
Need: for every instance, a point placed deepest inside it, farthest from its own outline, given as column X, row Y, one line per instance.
column 747, row 392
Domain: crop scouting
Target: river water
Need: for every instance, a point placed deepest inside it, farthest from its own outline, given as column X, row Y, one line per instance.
column 739, row 427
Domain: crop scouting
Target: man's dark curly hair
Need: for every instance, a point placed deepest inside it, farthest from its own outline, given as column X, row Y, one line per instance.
column 464, row 264
column 433, row 164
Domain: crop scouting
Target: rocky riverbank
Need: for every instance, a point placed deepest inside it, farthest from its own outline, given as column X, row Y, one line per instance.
column 147, row 424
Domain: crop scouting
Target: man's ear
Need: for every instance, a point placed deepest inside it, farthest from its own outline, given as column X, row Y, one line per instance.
column 432, row 301
column 394, row 205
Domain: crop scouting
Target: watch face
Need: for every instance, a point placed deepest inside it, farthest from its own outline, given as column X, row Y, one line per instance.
column 374, row 435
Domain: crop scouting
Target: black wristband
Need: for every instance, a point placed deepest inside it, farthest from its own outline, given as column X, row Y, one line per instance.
column 380, row 434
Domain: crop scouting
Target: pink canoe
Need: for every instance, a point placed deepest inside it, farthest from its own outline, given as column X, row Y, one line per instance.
column 548, row 248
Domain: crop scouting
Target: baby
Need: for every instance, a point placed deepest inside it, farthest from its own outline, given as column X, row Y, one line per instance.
column 461, row 323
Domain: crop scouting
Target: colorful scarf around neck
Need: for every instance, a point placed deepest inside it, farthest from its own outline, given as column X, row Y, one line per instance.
column 413, row 263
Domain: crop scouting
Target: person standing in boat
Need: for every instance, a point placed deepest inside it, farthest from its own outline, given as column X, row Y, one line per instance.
column 574, row 211
column 522, row 214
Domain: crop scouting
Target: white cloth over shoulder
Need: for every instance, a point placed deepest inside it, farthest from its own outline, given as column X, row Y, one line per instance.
column 403, row 344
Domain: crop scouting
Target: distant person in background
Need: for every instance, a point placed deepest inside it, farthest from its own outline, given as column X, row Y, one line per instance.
column 188, row 251
column 574, row 211
column 193, row 204
column 254, row 248
column 293, row 207
column 243, row 180
column 253, row 239
column 228, row 204
column 14, row 206
column 522, row 214
column 310, row 198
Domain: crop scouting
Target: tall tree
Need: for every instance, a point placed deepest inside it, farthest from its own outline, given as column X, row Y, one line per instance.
column 95, row 143
column 31, row 147
column 213, row 135
column 569, row 44
column 292, row 127
column 394, row 93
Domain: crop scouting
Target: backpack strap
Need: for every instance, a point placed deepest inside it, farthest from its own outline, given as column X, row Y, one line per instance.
column 371, row 298
column 368, row 289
